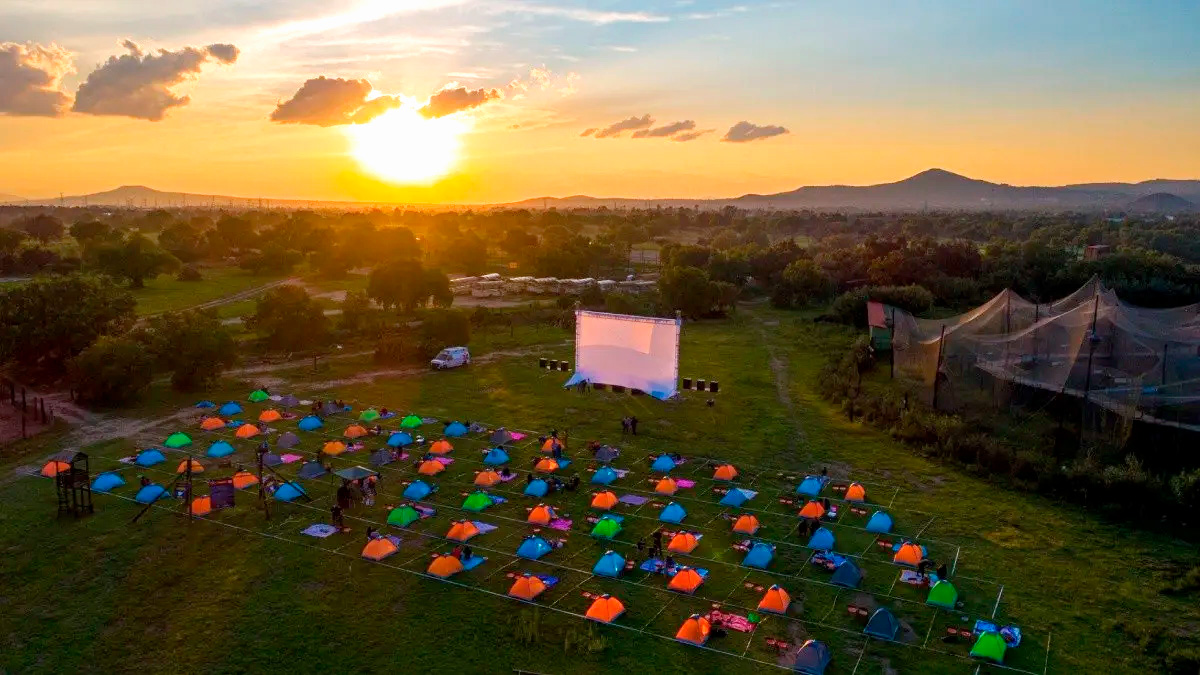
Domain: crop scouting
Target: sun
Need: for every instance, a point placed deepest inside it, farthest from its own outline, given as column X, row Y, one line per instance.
column 402, row 146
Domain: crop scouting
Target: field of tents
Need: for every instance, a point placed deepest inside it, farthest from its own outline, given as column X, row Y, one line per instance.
column 555, row 581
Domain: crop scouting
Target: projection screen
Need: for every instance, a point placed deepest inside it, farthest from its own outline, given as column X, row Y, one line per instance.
column 638, row 352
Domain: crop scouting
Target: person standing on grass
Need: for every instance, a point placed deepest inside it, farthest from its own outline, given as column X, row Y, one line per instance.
column 633, row 425
column 624, row 425
column 343, row 495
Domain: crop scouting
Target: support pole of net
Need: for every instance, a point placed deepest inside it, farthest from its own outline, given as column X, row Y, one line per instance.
column 1087, row 382
column 938, row 371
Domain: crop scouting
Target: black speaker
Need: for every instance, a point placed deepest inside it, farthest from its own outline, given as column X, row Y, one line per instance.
column 564, row 366
column 553, row 364
column 687, row 383
column 713, row 386
column 699, row 385
column 618, row 388
column 637, row 392
column 541, row 363
column 598, row 386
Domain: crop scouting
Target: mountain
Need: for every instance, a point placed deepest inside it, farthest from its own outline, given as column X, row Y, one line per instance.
column 4, row 199
column 1160, row 202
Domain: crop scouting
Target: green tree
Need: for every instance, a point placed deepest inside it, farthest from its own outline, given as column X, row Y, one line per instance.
column 289, row 320
column 358, row 316
column 272, row 259
column 10, row 240
column 807, row 282
column 445, row 328
column 134, row 259
column 50, row 320
column 193, row 346
column 43, row 227
column 688, row 290
column 112, row 371
column 405, row 286
column 89, row 230
column 726, row 295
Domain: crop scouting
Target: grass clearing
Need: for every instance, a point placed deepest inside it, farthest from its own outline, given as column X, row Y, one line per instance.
column 166, row 293
column 242, row 593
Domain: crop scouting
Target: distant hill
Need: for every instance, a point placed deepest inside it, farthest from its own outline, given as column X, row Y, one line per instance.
column 931, row 189
column 4, row 199
column 1160, row 202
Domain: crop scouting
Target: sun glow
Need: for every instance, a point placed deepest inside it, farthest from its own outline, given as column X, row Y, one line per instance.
column 401, row 146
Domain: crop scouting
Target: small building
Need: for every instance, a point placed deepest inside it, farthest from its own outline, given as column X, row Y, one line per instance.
column 1096, row 251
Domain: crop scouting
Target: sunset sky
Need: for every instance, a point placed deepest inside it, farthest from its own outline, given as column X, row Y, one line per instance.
column 478, row 102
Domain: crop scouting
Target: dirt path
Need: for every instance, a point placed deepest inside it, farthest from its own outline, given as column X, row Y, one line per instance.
column 780, row 369
column 236, row 297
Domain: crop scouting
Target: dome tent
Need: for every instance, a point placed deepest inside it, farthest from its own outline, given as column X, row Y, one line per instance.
column 54, row 467
column 107, row 481
column 271, row 459
column 672, row 513
column 604, row 475
column 847, row 575
column 411, row 422
column 380, row 457
column 258, row 396
column 246, row 431
column 605, row 501
column 541, row 515
column 880, row 523
column 418, row 489
column 666, row 486
column 822, row 540
column 378, row 549
column 942, row 594
column 178, row 440
column 694, row 630
column 683, row 542
column 882, row 625
column 445, row 566
column 746, row 524
column 810, row 486
column 244, row 479
column 230, row 408
column 212, row 424
column 403, row 516
column 527, row 587
column 536, row 488
column 399, row 439
column 287, row 439
column 856, row 493
column 219, row 449
column 663, row 464
column 909, row 554
column 500, row 437
column 288, row 492
column 605, row 609
column 441, row 447
column 431, row 467
column 487, row 478
column 759, row 556
column 355, row 431
column 775, row 600
column 611, row 564
column 477, row 501
column 310, row 470
column 606, row 528
column 462, row 530
column 149, row 457
column 725, row 472
column 453, row 430
column 533, row 547
column 813, row 658
column 190, row 464
column 686, row 580
column 496, row 457
column 368, row 415
column 269, row 415
column 310, row 423
column 149, row 494
column 989, row 646
column 735, row 497
column 812, row 509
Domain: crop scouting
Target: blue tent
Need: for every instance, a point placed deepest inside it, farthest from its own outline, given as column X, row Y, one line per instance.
column 310, row 423
column 663, row 463
column 611, row 564
column 822, row 540
column 311, row 470
column 846, row 575
column 107, row 481
column 496, row 457
column 673, row 513
column 883, row 625
column 150, row 494
column 810, row 486
column 533, row 548
column 418, row 489
column 813, row 658
column 536, row 488
column 880, row 523
column 272, row 459
column 205, row 404
column 399, row 439
column 289, row 491
column 230, row 408
column 759, row 556
column 604, row 475
column 219, row 449
column 456, row 429
column 735, row 497
column 150, row 457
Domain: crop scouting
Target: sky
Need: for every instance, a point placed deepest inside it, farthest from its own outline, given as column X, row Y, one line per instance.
column 466, row 101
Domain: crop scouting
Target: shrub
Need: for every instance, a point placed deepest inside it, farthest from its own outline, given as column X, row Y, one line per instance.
column 851, row 307
column 189, row 273
column 112, row 371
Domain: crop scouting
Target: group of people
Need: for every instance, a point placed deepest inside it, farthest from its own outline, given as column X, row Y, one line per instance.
column 351, row 492
column 656, row 548
column 554, row 483
column 629, row 425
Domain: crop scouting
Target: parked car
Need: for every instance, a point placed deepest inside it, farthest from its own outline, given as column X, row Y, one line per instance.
column 451, row 357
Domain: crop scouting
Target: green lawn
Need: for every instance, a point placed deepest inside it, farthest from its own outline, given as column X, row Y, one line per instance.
column 236, row 592
column 166, row 293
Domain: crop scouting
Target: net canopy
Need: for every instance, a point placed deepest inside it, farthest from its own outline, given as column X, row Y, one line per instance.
column 1131, row 360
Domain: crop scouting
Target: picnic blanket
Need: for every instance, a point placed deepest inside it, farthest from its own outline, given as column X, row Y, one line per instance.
column 387, row 416
column 319, row 530
column 656, row 566
column 547, row 579
column 505, row 479
column 425, row 511
column 560, row 524
column 483, row 527
column 445, row 461
column 828, row 560
column 731, row 621
column 516, row 435
column 289, row 458
column 635, row 500
column 684, row 483
column 496, row 499
column 392, row 538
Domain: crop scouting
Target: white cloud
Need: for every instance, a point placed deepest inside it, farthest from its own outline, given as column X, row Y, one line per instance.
column 744, row 132
column 31, row 79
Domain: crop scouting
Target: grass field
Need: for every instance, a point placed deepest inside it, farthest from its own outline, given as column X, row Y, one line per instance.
column 237, row 592
column 166, row 293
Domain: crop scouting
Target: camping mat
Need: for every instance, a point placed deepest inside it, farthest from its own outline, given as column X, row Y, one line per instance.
column 319, row 530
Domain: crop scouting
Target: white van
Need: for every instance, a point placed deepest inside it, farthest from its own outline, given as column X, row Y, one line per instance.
column 451, row 357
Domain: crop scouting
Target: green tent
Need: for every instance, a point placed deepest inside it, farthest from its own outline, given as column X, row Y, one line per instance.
column 989, row 646
column 943, row 594
column 258, row 396
column 410, row 422
column 477, row 501
column 403, row 516
column 178, row 440
column 368, row 415
column 606, row 528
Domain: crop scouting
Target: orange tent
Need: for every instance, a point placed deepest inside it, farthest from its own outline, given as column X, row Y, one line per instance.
column 812, row 509
column 548, row 446
column 604, row 500
column 694, row 630
column 462, row 530
column 378, row 549
column 201, row 506
column 666, row 486
column 746, row 524
column 197, row 467
column 546, row 464
column 430, row 467
column 686, row 580
column 269, row 415
column 909, row 554
column 51, row 469
column 212, row 423
column 247, row 431
column 527, row 587
column 541, row 515
column 354, row 431
column 605, row 609
column 441, row 447
column 776, row 600
column 486, row 478
column 683, row 542
column 725, row 472
column 856, row 493
column 244, row 479
column 445, row 566
column 334, row 448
